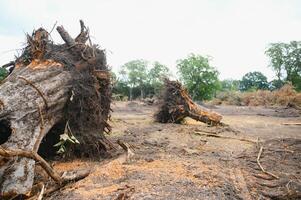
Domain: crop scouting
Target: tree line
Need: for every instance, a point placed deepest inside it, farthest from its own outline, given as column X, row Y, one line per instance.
column 141, row 78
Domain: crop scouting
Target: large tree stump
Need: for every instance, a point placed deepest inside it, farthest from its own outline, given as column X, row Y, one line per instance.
column 177, row 104
column 50, row 85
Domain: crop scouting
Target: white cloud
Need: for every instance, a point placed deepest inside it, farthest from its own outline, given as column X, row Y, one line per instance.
column 235, row 33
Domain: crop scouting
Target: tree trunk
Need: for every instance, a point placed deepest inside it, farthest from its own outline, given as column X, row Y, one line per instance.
column 177, row 105
column 141, row 93
column 51, row 84
column 30, row 117
column 131, row 93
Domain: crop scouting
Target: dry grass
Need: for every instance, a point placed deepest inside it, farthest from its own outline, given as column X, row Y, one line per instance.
column 283, row 97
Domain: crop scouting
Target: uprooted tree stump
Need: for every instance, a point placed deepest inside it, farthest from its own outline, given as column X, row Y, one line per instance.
column 177, row 104
column 50, row 86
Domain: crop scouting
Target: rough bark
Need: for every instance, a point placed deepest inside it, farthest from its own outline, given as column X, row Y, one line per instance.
column 176, row 105
column 52, row 84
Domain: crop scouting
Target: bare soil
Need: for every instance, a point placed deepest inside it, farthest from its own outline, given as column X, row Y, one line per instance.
column 172, row 162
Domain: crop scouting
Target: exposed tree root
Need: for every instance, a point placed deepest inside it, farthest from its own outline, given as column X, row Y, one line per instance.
column 177, row 104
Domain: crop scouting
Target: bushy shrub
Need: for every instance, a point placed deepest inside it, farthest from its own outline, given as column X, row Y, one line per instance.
column 284, row 96
column 229, row 98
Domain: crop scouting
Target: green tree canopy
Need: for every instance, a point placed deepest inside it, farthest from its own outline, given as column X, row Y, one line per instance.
column 200, row 78
column 276, row 84
column 156, row 75
column 229, row 85
column 134, row 73
column 253, row 80
column 285, row 60
column 141, row 75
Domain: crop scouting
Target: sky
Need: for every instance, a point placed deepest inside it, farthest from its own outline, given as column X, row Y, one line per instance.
column 235, row 33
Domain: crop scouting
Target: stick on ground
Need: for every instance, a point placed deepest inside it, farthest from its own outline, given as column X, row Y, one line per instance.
column 262, row 169
column 224, row 137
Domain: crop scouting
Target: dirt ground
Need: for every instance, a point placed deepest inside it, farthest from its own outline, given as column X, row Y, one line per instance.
column 171, row 161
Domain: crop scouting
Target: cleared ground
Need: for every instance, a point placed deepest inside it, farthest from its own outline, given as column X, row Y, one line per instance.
column 172, row 162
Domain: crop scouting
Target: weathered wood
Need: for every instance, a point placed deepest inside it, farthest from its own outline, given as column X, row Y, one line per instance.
column 21, row 107
column 51, row 84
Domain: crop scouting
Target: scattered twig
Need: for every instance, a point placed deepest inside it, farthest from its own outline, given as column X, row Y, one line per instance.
column 35, row 191
column 37, row 89
column 78, row 175
column 126, row 194
column 82, row 37
column 82, row 53
column 292, row 123
column 40, row 197
column 53, row 27
column 262, row 169
column 224, row 137
column 205, row 131
column 126, row 147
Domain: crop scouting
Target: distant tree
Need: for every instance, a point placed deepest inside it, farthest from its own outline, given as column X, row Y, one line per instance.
column 120, row 87
column 156, row 75
column 253, row 80
column 285, row 60
column 134, row 73
column 229, row 85
column 3, row 73
column 276, row 84
column 113, row 77
column 200, row 78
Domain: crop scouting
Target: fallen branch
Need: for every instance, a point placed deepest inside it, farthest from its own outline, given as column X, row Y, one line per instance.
column 61, row 180
column 67, row 178
column 127, row 149
column 262, row 169
column 33, row 155
column 225, row 137
column 292, row 123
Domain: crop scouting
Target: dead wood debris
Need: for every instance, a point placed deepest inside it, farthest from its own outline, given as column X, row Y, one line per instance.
column 126, row 193
column 262, row 169
column 279, row 156
column 48, row 169
column 126, row 147
column 292, row 123
column 68, row 177
column 224, row 137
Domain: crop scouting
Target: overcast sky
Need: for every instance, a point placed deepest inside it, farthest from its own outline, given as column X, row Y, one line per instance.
column 234, row 32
